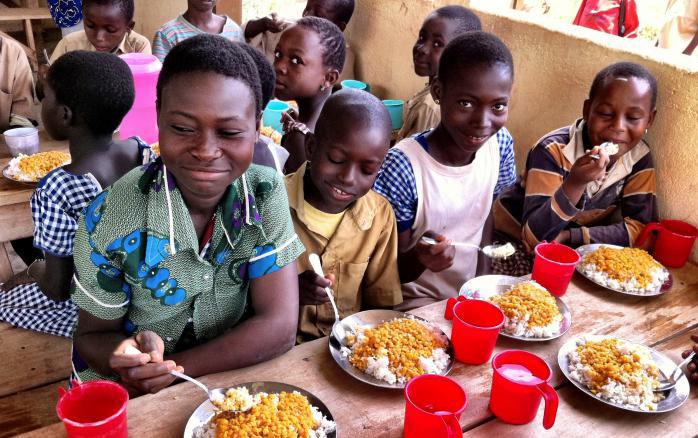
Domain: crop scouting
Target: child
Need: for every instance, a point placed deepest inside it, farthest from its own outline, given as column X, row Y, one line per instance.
column 183, row 259
column 108, row 28
column 86, row 95
column 692, row 366
column 198, row 18
column 567, row 194
column 441, row 182
column 16, row 86
column 264, row 33
column 308, row 60
column 339, row 217
column 266, row 151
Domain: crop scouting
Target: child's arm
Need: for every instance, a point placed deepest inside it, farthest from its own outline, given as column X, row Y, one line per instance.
column 294, row 140
column 271, row 23
column 414, row 261
column 161, row 45
column 692, row 367
column 311, row 287
column 381, row 282
column 269, row 333
column 484, row 263
column 507, row 162
column 53, row 276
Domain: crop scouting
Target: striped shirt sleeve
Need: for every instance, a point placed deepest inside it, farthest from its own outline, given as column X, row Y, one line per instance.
column 161, row 46
column 507, row 162
column 396, row 182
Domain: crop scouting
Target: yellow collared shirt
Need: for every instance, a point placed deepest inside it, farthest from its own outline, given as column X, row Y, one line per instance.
column 132, row 43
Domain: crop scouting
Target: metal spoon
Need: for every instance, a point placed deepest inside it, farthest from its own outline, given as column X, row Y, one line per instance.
column 672, row 380
column 609, row 147
column 492, row 251
column 338, row 329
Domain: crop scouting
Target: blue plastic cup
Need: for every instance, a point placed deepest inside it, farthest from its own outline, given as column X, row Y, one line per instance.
column 353, row 83
column 395, row 107
column 272, row 114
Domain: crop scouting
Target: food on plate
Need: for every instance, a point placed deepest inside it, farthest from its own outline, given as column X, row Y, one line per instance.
column 628, row 269
column 31, row 168
column 616, row 370
column 397, row 350
column 270, row 132
column 283, row 415
column 530, row 311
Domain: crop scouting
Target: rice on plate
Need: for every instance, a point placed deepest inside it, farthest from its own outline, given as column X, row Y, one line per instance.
column 616, row 370
column 397, row 350
column 31, row 168
column 530, row 311
column 630, row 270
column 283, row 415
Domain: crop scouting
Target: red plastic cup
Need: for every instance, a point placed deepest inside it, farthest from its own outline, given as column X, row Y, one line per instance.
column 553, row 266
column 433, row 406
column 94, row 409
column 519, row 382
column 674, row 241
column 476, row 325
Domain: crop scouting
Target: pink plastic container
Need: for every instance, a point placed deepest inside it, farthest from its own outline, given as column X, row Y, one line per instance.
column 476, row 325
column 94, row 409
column 433, row 406
column 519, row 382
column 553, row 266
column 142, row 119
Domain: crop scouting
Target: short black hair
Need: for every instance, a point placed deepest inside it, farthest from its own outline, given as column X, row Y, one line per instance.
column 473, row 49
column 97, row 87
column 126, row 6
column 334, row 49
column 348, row 110
column 267, row 76
column 624, row 70
column 211, row 53
column 466, row 18
column 344, row 9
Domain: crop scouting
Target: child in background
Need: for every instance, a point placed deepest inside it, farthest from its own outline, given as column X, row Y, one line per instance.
column 440, row 183
column 86, row 95
column 108, row 28
column 308, row 59
column 16, row 86
column 198, row 18
column 570, row 195
column 264, row 33
column 339, row 217
column 266, row 151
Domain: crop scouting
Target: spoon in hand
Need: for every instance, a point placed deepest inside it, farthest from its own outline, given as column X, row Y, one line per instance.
column 493, row 251
column 337, row 327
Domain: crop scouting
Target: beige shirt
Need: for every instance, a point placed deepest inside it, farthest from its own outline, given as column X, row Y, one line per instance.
column 132, row 43
column 266, row 43
column 421, row 113
column 362, row 255
column 680, row 25
column 16, row 86
column 454, row 202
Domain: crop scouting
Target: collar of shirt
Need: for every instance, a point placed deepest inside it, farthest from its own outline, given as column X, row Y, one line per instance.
column 360, row 211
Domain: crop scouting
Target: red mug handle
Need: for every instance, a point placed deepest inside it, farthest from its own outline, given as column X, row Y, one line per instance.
column 551, row 402
column 649, row 228
column 450, row 303
column 452, row 425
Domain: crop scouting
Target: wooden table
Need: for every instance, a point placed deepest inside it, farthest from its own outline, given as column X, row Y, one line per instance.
column 15, row 214
column 364, row 411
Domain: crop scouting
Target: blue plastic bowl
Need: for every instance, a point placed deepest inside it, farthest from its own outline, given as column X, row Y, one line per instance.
column 395, row 108
column 353, row 83
column 272, row 114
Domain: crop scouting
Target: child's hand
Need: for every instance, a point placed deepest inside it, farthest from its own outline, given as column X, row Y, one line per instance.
column 146, row 371
column 17, row 279
column 587, row 169
column 437, row 257
column 311, row 287
column 290, row 123
column 692, row 366
column 274, row 24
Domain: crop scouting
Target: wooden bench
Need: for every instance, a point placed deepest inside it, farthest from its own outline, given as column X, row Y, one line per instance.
column 26, row 15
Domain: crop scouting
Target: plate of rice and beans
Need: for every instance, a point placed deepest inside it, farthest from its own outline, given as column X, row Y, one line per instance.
column 386, row 348
column 621, row 373
column 29, row 169
column 630, row 271
column 531, row 312
column 262, row 409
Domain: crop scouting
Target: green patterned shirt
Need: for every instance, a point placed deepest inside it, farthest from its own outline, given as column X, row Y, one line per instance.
column 126, row 267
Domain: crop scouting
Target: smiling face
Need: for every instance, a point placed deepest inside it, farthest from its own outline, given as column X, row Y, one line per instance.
column 300, row 71
column 344, row 168
column 208, row 129
column 620, row 113
column 474, row 103
column 435, row 33
column 105, row 26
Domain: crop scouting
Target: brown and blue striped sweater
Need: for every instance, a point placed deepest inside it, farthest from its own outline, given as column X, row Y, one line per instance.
column 614, row 211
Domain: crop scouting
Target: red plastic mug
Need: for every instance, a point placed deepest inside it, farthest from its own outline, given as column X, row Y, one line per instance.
column 433, row 406
column 674, row 241
column 476, row 325
column 553, row 266
column 519, row 382
column 94, row 409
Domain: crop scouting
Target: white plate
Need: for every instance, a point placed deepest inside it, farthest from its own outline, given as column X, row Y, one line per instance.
column 486, row 286
column 372, row 318
column 205, row 411
column 675, row 397
column 586, row 249
column 6, row 174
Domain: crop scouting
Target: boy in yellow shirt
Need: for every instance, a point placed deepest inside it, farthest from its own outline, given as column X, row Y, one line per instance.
column 337, row 215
